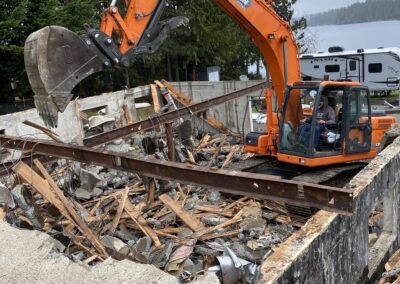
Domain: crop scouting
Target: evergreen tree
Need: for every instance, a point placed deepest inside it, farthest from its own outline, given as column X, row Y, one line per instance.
column 211, row 38
column 368, row 11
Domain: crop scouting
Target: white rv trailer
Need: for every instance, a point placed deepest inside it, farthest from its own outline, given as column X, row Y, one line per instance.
column 379, row 69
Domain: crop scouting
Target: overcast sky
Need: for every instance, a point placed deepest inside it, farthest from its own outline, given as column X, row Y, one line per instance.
column 304, row 7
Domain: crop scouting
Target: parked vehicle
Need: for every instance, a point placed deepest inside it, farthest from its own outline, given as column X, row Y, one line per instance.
column 379, row 69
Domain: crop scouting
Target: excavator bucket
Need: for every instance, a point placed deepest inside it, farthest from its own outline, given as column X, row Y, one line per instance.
column 56, row 60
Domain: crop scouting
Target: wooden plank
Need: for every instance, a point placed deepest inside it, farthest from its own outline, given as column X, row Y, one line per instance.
column 141, row 222
column 70, row 207
column 166, row 235
column 120, row 210
column 3, row 214
column 91, row 259
column 218, row 211
column 191, row 157
column 237, row 218
column 45, row 130
column 217, row 124
column 151, row 193
column 242, row 199
column 127, row 114
column 221, row 235
column 183, row 99
column 186, row 217
column 203, row 142
column 31, row 177
column 156, row 100
column 393, row 262
column 228, row 159
column 172, row 230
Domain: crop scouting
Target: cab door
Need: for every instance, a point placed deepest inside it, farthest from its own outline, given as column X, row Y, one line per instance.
column 358, row 130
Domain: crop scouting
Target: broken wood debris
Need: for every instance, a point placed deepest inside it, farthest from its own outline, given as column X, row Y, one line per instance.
column 176, row 227
column 392, row 270
column 128, row 221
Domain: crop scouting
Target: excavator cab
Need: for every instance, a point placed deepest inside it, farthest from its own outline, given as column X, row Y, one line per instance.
column 326, row 123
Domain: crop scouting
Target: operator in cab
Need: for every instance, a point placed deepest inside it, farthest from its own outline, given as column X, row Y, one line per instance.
column 325, row 116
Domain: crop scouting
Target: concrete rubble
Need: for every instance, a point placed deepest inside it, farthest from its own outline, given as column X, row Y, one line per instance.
column 171, row 244
column 42, row 261
column 113, row 226
column 183, row 230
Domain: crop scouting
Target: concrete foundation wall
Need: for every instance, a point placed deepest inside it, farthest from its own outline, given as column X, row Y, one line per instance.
column 332, row 248
column 231, row 114
column 70, row 128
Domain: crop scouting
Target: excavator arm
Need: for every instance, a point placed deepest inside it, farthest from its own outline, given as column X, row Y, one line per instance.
column 57, row 60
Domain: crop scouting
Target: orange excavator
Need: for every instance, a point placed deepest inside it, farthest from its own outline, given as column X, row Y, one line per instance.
column 57, row 60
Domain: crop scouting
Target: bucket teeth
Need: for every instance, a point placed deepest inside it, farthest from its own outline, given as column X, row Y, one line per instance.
column 56, row 60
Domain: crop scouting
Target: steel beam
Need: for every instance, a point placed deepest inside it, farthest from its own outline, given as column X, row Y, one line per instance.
column 240, row 183
column 167, row 117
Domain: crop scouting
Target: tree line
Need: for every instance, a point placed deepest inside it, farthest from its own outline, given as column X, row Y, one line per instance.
column 211, row 39
column 369, row 11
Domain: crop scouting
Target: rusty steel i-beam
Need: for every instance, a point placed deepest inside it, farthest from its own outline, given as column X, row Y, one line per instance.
column 240, row 183
column 167, row 117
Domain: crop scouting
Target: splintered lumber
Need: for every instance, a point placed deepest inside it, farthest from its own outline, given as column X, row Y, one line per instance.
column 45, row 130
column 127, row 114
column 204, row 141
column 156, row 100
column 221, row 235
column 191, row 157
column 183, row 99
column 42, row 186
column 70, row 207
column 3, row 213
column 152, row 190
column 218, row 211
column 217, row 124
column 237, row 218
column 230, row 155
column 232, row 205
column 141, row 223
column 393, row 262
column 192, row 222
column 120, row 210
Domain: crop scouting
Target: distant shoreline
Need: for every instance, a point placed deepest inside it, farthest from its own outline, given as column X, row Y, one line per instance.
column 355, row 36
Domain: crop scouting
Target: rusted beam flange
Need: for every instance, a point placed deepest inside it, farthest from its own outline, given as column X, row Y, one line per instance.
column 241, row 183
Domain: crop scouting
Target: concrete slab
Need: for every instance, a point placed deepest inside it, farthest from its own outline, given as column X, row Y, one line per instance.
column 30, row 257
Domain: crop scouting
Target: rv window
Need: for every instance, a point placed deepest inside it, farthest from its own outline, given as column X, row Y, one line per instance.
column 316, row 66
column 375, row 68
column 353, row 65
column 332, row 68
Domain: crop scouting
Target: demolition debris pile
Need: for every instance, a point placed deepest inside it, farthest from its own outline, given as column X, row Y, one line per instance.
column 96, row 212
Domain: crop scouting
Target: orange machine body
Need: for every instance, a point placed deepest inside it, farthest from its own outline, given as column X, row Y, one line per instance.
column 276, row 41
column 267, row 29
